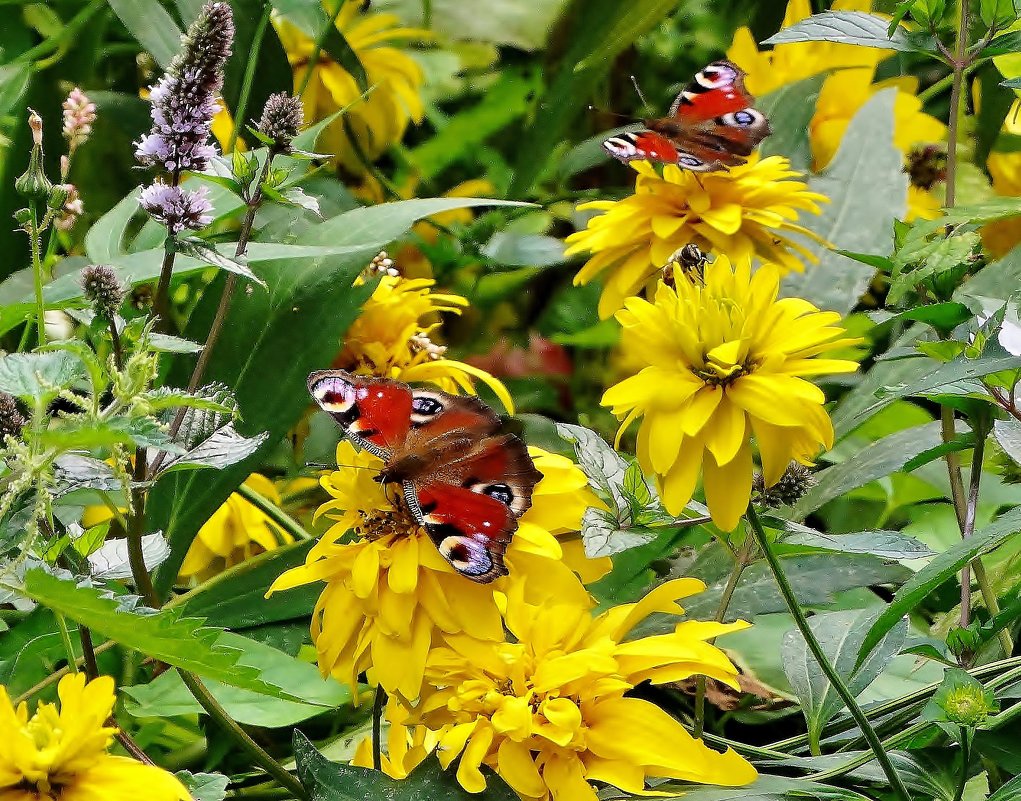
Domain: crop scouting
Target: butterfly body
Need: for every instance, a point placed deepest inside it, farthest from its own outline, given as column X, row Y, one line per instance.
column 465, row 481
column 712, row 124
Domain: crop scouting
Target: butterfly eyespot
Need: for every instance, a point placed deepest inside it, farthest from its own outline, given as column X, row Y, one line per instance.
column 338, row 397
column 716, row 75
column 424, row 408
column 498, row 492
column 466, row 555
column 690, row 161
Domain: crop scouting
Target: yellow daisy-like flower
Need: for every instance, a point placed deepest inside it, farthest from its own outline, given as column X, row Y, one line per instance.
column 746, row 212
column 845, row 91
column 1005, row 168
column 725, row 361
column 61, row 754
column 395, row 79
column 236, row 531
column 389, row 592
column 548, row 713
column 393, row 338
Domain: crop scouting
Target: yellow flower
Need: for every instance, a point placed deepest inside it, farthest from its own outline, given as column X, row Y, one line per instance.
column 1005, row 168
column 769, row 70
column 236, row 531
column 845, row 91
column 745, row 212
column 548, row 712
column 61, row 755
column 389, row 592
column 378, row 120
column 393, row 338
column 725, row 361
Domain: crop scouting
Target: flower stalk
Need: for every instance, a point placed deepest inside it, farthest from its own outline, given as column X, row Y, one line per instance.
column 835, row 679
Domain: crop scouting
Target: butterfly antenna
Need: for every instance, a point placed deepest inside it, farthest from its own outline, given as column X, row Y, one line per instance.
column 638, row 89
column 626, row 117
column 324, row 466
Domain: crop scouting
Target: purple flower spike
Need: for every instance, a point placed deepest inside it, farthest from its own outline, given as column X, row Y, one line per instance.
column 176, row 208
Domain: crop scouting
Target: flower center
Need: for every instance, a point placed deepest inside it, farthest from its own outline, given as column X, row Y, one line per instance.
column 379, row 523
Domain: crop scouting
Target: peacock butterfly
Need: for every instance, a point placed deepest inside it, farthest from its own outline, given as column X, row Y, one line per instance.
column 710, row 125
column 464, row 480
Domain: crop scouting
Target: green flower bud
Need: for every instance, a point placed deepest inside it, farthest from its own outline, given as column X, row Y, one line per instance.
column 58, row 196
column 33, row 183
column 23, row 216
column 961, row 699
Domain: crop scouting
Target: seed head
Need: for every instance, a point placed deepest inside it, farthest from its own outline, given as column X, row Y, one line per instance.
column 102, row 289
column 796, row 481
column 11, row 418
column 282, row 117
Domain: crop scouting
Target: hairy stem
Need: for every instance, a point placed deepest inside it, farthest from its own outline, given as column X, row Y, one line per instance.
column 959, row 65
column 88, row 652
column 740, row 563
column 965, row 737
column 239, row 735
column 118, row 351
column 246, row 82
column 34, row 235
column 161, row 301
column 835, row 679
column 139, row 572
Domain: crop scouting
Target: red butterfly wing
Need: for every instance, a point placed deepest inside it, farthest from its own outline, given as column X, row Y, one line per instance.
column 470, row 529
column 711, row 124
column 374, row 412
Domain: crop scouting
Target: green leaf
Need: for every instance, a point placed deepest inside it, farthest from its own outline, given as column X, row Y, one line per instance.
column 881, row 544
column 867, row 188
column 603, row 466
column 164, row 343
column 1008, row 436
column 626, row 30
column 536, row 250
column 39, row 376
column 1011, row 791
column 207, row 254
column 181, row 642
column 142, row 432
column 878, row 460
column 14, row 80
column 222, row 449
column 941, row 316
column 204, row 786
column 603, row 536
column 105, row 239
column 331, row 781
column 840, row 634
column 167, row 695
column 503, row 102
column 942, row 568
column 152, row 26
column 764, row 788
column 926, row 254
column 1009, row 42
column 73, row 472
column 849, row 27
column 790, row 110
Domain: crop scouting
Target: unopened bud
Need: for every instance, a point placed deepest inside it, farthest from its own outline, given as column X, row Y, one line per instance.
column 796, row 481
column 33, row 183
column 59, row 193
column 102, row 289
column 23, row 216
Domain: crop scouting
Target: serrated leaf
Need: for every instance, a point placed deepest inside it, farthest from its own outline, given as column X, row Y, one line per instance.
column 841, row 635
column 38, row 376
column 178, row 641
column 142, row 432
column 164, row 343
column 204, row 786
column 202, row 420
column 224, row 448
column 110, row 561
column 207, row 254
column 603, row 466
column 602, row 536
column 849, row 27
column 1008, row 436
column 331, row 781
column 73, row 471
column 923, row 259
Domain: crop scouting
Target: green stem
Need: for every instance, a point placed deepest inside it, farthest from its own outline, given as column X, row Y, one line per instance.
column 377, row 724
column 56, row 676
column 249, row 76
column 139, row 572
column 88, row 652
column 65, row 638
column 740, row 563
column 273, row 512
column 37, row 273
column 239, row 735
column 317, row 49
column 965, row 759
column 825, row 665
column 958, row 65
column 161, row 301
column 864, row 759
